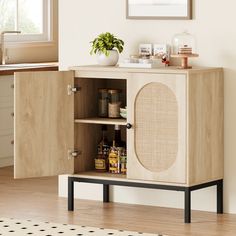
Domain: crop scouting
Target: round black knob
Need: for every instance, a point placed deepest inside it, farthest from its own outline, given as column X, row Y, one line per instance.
column 128, row 126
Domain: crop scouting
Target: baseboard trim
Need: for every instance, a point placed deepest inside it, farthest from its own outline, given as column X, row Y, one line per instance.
column 6, row 161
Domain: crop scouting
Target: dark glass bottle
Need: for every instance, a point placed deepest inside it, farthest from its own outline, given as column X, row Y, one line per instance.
column 117, row 137
column 101, row 162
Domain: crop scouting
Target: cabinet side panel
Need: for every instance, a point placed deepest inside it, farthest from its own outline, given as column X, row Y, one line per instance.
column 205, row 126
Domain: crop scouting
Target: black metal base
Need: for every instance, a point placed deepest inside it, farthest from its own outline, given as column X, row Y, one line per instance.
column 187, row 191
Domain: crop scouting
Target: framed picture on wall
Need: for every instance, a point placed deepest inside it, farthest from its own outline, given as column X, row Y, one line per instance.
column 159, row 9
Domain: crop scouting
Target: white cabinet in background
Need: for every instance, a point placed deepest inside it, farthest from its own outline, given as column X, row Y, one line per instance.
column 6, row 119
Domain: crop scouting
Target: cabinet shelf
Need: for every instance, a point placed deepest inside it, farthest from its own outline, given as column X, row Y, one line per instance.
column 102, row 121
column 101, row 175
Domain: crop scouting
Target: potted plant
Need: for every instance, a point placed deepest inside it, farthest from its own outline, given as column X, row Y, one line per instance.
column 107, row 48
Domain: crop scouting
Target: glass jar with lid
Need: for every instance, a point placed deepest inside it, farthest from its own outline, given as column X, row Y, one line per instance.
column 103, row 102
column 114, row 103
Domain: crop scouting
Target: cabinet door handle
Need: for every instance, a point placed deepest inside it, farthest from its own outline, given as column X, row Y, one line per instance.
column 12, row 86
column 128, row 126
column 12, row 114
column 12, row 142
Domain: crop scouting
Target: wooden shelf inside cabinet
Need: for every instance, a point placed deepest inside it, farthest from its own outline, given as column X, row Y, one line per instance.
column 102, row 121
column 101, row 175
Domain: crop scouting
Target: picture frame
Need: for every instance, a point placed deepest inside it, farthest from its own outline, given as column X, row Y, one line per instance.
column 159, row 9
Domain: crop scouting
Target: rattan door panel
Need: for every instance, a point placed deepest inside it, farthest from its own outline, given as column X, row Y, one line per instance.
column 156, row 127
column 157, row 142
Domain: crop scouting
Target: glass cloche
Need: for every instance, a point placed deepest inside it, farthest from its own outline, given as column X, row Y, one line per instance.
column 184, row 47
column 183, row 43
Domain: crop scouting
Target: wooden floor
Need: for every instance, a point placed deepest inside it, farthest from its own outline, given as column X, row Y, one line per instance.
column 37, row 199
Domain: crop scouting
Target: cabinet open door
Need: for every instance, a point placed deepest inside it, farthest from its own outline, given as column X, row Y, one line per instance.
column 44, row 124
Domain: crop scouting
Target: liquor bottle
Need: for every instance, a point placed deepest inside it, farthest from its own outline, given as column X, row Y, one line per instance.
column 117, row 137
column 123, row 162
column 114, row 161
column 101, row 161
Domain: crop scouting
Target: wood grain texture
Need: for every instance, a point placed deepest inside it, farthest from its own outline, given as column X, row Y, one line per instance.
column 88, row 134
column 10, row 70
column 98, row 120
column 86, row 99
column 44, row 124
column 93, row 174
column 87, row 137
column 37, row 199
column 205, row 126
column 116, row 72
column 201, row 122
column 199, row 95
column 176, row 173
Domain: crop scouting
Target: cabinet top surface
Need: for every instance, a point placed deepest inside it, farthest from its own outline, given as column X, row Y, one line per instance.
column 10, row 69
column 163, row 70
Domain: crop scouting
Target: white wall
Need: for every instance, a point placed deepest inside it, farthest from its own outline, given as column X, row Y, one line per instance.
column 213, row 26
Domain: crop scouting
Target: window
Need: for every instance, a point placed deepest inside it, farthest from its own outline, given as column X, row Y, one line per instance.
column 32, row 17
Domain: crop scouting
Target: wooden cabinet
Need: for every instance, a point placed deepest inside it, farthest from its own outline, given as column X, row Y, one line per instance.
column 176, row 116
column 6, row 118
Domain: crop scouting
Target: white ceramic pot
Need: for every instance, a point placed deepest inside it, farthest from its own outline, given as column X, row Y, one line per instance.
column 110, row 60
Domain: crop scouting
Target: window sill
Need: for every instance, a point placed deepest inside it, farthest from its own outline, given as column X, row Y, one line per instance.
column 30, row 44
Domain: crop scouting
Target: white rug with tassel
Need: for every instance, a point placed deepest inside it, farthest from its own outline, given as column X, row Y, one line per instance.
column 14, row 227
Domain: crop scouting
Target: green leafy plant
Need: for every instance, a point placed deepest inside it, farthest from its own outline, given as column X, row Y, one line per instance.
column 105, row 42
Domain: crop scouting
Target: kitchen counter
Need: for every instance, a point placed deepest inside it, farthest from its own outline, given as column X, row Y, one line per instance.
column 9, row 69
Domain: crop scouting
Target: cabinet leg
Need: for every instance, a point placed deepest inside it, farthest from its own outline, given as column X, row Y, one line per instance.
column 187, row 206
column 105, row 192
column 220, row 197
column 70, row 194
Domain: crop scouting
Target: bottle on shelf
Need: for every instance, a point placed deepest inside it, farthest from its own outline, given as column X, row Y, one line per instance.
column 117, row 137
column 117, row 155
column 114, row 161
column 101, row 161
column 123, row 162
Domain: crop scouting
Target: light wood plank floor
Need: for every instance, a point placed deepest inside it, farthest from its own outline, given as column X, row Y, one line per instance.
column 37, row 199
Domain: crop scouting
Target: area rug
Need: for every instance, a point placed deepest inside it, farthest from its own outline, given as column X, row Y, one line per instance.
column 14, row 227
